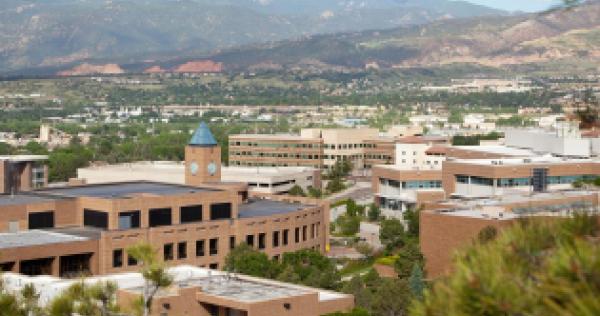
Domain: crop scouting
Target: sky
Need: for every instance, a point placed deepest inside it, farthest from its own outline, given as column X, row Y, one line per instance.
column 518, row 5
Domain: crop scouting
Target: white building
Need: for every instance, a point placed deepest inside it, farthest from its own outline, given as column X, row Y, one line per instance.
column 268, row 180
column 565, row 141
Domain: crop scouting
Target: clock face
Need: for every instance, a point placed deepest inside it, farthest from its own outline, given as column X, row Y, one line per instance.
column 212, row 168
column 194, row 168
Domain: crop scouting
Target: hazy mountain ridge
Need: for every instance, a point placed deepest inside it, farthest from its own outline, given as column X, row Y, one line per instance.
column 490, row 41
column 37, row 33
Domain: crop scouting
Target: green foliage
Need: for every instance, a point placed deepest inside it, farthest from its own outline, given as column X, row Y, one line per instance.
column 340, row 169
column 296, row 190
column 415, row 282
column 335, row 185
column 244, row 259
column 379, row 296
column 455, row 117
column 535, row 267
column 63, row 162
column 315, row 192
column 153, row 271
column 411, row 217
column 354, row 312
column 306, row 267
column 348, row 225
column 353, row 209
column 82, row 299
column 374, row 213
column 391, row 233
column 515, row 120
column 408, row 256
column 487, row 234
column 474, row 140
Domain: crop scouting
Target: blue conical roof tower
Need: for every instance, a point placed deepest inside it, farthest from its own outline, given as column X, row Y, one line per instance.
column 203, row 137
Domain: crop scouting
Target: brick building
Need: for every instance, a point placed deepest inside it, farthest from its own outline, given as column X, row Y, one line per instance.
column 69, row 231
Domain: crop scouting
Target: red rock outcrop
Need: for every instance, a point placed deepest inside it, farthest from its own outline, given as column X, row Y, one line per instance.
column 199, row 66
column 89, row 69
column 155, row 70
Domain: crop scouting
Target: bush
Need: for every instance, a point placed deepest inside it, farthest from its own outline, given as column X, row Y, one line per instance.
column 536, row 267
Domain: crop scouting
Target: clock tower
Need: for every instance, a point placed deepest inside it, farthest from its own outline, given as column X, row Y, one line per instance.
column 202, row 158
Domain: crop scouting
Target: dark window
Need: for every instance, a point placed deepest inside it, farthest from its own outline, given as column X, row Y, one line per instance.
column 117, row 258
column 130, row 219
column 262, row 240
column 312, row 231
column 182, row 250
column 250, row 240
column 199, row 248
column 275, row 239
column 190, row 214
column 286, row 233
column 231, row 242
column 168, row 252
column 297, row 234
column 97, row 219
column 304, row 229
column 220, row 211
column 160, row 217
column 214, row 246
column 131, row 261
column 41, row 220
column 213, row 266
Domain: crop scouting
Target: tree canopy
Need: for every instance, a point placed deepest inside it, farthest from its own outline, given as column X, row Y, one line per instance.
column 535, row 267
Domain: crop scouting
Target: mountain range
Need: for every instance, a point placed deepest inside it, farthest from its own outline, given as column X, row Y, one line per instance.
column 38, row 34
column 567, row 35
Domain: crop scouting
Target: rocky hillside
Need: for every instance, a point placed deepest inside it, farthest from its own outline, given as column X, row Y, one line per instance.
column 491, row 41
column 57, row 33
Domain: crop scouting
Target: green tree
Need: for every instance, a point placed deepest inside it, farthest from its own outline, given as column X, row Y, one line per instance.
column 391, row 233
column 313, row 269
column 391, row 298
column 154, row 272
column 535, row 267
column 29, row 298
column 408, row 256
column 487, row 234
column 411, row 217
column 82, row 299
column 315, row 192
column 415, row 282
column 296, row 190
column 335, row 185
column 348, row 225
column 374, row 213
column 244, row 259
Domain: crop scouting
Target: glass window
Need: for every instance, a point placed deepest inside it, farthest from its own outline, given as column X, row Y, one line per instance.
column 117, row 258
column 168, row 252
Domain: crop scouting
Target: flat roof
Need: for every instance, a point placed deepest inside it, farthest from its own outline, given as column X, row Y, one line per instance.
column 30, row 238
column 242, row 289
column 522, row 161
column 499, row 149
column 123, row 189
column 260, row 208
column 212, row 282
column 433, row 168
column 492, row 207
column 288, row 137
column 19, row 199
column 21, row 158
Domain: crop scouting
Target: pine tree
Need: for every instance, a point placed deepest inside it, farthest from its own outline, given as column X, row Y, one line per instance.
column 415, row 282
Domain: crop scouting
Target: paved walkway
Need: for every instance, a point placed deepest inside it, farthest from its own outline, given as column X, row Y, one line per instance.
column 358, row 191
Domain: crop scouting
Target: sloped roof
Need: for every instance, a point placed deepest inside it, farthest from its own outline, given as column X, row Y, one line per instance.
column 203, row 137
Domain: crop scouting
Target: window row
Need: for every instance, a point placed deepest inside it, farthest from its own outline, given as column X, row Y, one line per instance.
column 156, row 217
column 275, row 145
